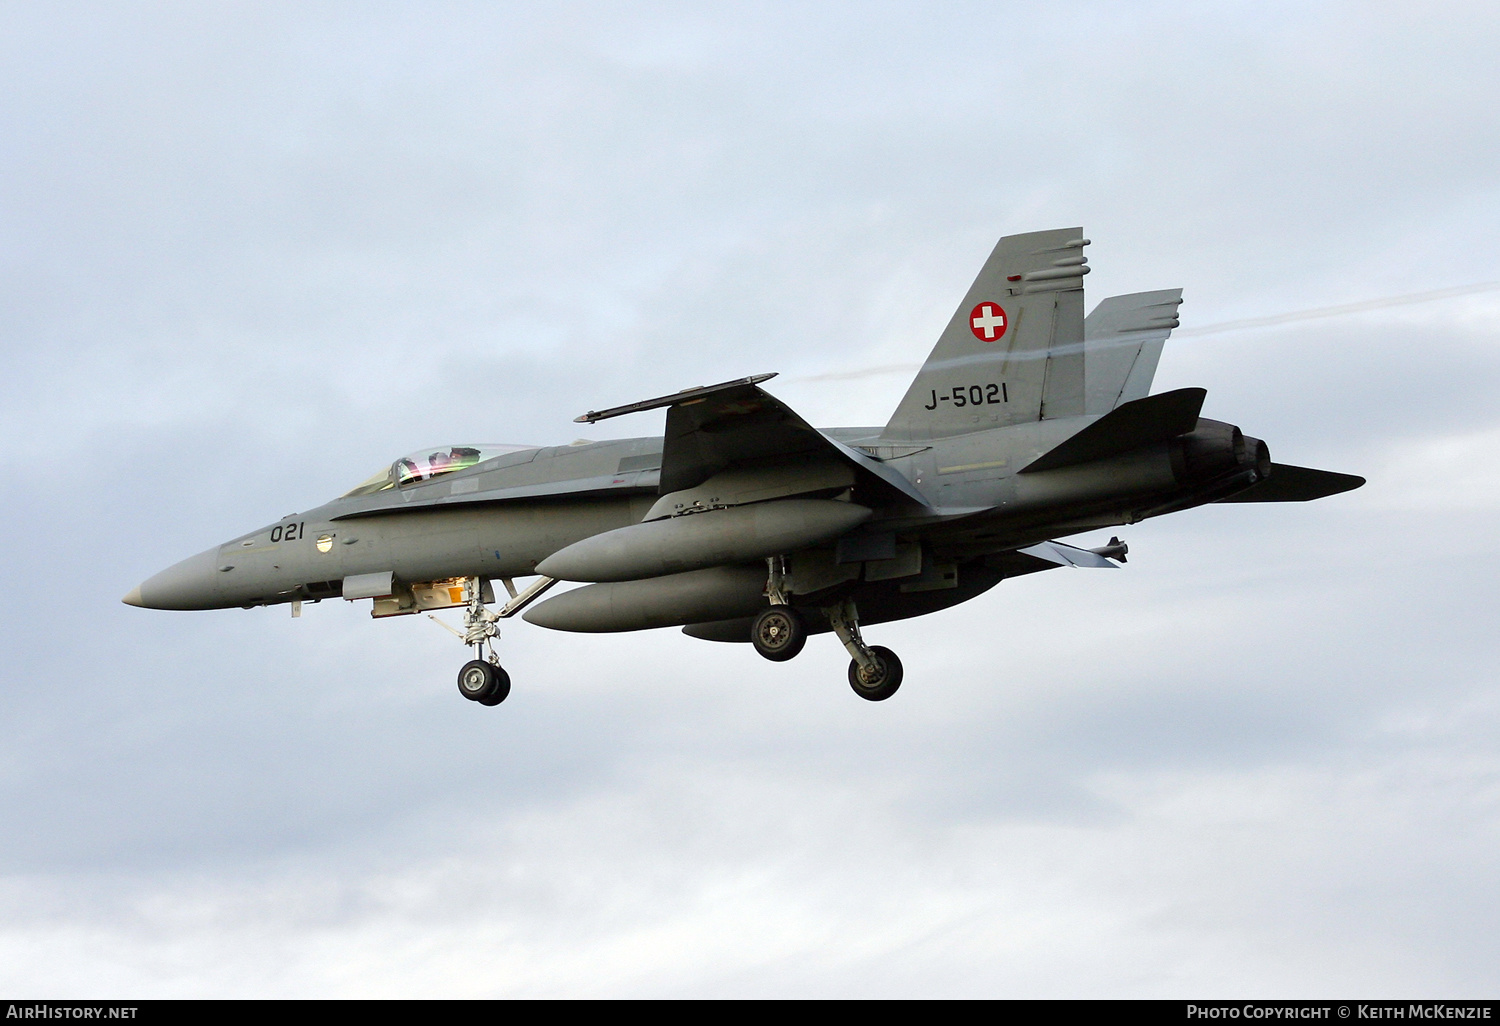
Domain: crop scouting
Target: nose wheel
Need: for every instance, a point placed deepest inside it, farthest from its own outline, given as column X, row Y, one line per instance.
column 482, row 679
column 483, row 682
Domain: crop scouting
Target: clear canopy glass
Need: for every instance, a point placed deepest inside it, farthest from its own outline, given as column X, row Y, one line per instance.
column 426, row 464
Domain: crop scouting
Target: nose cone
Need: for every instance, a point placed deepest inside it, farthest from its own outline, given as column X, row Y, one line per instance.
column 191, row 584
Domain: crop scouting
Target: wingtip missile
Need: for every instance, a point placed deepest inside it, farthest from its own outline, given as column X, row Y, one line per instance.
column 1116, row 550
column 686, row 395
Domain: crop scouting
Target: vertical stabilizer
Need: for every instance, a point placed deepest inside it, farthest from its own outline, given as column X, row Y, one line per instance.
column 1123, row 339
column 1013, row 351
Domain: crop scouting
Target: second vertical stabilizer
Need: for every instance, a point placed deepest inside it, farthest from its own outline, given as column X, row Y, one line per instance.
column 1123, row 339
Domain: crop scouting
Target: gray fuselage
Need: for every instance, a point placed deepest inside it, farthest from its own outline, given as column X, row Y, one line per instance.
column 503, row 516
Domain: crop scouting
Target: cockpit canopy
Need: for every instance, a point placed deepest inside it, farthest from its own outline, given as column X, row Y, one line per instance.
column 426, row 464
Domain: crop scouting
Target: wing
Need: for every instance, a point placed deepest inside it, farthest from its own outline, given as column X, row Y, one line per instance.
column 738, row 425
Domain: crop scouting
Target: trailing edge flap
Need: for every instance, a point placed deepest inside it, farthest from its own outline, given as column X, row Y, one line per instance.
column 740, row 424
column 1296, row 484
column 1132, row 425
column 1122, row 343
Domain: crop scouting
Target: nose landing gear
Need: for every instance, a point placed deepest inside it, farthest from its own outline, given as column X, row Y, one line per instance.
column 482, row 679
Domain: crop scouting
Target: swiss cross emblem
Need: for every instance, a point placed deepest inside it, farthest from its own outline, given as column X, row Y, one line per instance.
column 987, row 321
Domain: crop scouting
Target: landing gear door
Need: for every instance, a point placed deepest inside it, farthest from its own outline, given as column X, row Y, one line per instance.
column 425, row 596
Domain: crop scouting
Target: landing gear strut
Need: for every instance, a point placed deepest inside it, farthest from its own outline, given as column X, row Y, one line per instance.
column 482, row 678
column 874, row 672
column 778, row 633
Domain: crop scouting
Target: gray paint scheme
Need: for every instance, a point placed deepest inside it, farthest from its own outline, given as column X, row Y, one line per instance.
column 1037, row 281
column 713, row 537
column 1124, row 336
column 1046, row 430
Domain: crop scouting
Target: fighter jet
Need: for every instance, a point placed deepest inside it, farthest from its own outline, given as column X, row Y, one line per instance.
column 744, row 523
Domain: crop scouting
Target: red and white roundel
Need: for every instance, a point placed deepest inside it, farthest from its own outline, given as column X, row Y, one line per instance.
column 987, row 321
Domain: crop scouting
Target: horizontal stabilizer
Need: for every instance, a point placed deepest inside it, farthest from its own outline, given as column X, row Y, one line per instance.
column 1131, row 425
column 1067, row 555
column 1296, row 484
column 1049, row 555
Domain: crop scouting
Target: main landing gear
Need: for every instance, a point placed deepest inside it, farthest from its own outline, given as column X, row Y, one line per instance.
column 482, row 678
column 874, row 672
column 779, row 633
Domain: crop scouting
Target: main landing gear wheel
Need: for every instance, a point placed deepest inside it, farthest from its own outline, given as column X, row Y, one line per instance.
column 482, row 682
column 881, row 681
column 874, row 672
column 778, row 633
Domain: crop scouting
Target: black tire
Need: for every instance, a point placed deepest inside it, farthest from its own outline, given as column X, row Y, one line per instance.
column 884, row 685
column 502, row 687
column 477, row 680
column 778, row 633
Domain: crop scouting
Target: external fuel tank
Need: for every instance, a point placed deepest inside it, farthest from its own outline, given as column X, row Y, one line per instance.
column 673, row 545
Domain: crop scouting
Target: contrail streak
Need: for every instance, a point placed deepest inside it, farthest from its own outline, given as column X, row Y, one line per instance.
column 1339, row 311
column 1220, row 328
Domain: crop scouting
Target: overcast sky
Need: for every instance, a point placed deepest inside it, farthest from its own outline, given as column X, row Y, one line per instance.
column 249, row 253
